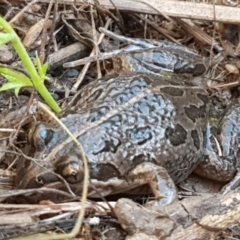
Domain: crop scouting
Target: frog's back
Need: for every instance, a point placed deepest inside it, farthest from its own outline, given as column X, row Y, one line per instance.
column 136, row 118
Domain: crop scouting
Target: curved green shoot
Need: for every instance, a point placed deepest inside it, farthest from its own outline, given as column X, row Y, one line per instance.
column 18, row 80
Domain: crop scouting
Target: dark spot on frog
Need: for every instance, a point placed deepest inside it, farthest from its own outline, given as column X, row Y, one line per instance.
column 203, row 97
column 103, row 172
column 108, row 146
column 149, row 104
column 147, row 79
column 173, row 91
column 195, row 70
column 194, row 112
column 96, row 114
column 195, row 137
column 140, row 135
column 141, row 158
column 199, row 69
column 177, row 135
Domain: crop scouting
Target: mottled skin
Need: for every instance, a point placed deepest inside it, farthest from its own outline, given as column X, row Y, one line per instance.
column 135, row 128
column 223, row 167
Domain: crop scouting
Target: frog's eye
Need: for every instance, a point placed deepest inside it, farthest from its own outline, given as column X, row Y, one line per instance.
column 70, row 167
column 72, row 173
column 39, row 136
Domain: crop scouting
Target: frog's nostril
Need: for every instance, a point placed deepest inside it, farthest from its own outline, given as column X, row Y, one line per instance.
column 39, row 180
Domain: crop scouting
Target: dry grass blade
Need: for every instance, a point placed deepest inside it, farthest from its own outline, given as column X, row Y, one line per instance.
column 84, row 70
column 199, row 34
column 79, row 221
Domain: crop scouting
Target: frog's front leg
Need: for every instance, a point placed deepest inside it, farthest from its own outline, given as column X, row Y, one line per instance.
column 159, row 181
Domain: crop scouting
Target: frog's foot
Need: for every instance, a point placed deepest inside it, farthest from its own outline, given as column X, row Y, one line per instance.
column 221, row 169
column 159, row 181
column 234, row 183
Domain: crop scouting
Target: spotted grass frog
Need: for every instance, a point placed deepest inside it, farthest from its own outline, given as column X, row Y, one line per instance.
column 136, row 129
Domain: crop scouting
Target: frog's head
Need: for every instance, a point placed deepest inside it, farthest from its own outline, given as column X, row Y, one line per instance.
column 40, row 171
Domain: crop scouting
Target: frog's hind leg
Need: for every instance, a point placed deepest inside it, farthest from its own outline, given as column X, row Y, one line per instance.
column 218, row 168
column 234, row 183
column 160, row 182
column 222, row 169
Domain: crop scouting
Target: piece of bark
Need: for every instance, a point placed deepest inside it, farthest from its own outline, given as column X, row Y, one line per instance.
column 70, row 53
column 193, row 218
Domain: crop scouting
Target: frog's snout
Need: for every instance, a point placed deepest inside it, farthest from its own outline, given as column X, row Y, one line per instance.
column 70, row 168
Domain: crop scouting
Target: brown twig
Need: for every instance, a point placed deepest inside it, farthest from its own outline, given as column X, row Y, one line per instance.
column 44, row 33
column 84, row 70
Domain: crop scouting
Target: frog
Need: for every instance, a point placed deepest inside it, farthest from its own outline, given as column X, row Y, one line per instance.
column 135, row 128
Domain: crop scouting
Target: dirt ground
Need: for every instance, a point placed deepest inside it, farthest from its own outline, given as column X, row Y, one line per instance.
column 63, row 32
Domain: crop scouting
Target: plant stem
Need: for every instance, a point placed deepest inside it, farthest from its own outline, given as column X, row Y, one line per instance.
column 28, row 64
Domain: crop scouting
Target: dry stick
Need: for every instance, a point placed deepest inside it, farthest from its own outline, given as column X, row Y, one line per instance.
column 44, row 32
column 23, row 10
column 115, row 53
column 96, row 49
column 119, row 37
column 157, row 28
column 107, row 55
column 51, row 33
column 84, row 70
column 199, row 33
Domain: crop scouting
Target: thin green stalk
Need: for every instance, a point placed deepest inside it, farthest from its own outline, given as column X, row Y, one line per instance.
column 28, row 64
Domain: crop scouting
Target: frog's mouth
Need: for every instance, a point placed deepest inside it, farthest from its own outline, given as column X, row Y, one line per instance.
column 98, row 189
column 70, row 169
column 35, row 174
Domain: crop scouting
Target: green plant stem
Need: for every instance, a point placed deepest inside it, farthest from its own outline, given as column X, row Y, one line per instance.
column 28, row 64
